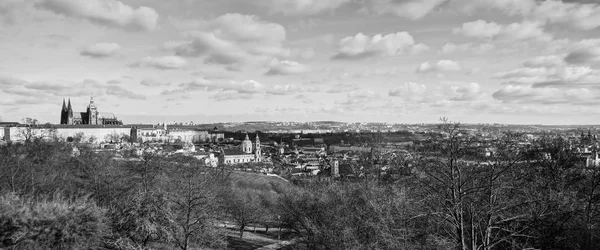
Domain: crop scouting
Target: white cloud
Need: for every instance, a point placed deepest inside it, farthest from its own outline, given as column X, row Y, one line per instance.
column 301, row 7
column 100, row 50
column 584, row 52
column 583, row 16
column 277, row 67
column 528, row 94
column 149, row 82
column 409, row 91
column 244, row 87
column 578, row 15
column 440, row 66
column 526, row 73
column 544, row 61
column 236, row 40
column 550, row 71
column 411, row 9
column 479, row 29
column 124, row 93
column 466, row 92
column 109, row 13
column 284, row 89
column 163, row 63
column 247, row 28
column 363, row 46
column 51, row 90
column 526, row 30
column 449, row 48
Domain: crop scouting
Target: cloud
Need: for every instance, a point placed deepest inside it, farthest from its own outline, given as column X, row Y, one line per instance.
column 100, row 50
column 123, row 93
column 466, row 92
column 411, row 9
column 544, row 61
column 449, row 48
column 301, row 7
column 148, row 82
column 342, row 88
column 547, row 71
column 109, row 13
column 44, row 91
column 163, row 63
column 286, row 68
column 526, row 30
column 577, row 14
column 584, row 52
column 9, row 82
column 362, row 46
column 440, row 66
column 236, row 39
column 243, row 87
column 359, row 98
column 409, row 91
column 114, row 81
column 526, row 72
column 527, row 94
column 287, row 89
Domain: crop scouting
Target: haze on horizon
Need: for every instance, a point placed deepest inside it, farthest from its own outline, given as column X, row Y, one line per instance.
column 402, row 61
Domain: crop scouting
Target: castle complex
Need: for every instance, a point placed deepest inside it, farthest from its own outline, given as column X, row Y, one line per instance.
column 90, row 117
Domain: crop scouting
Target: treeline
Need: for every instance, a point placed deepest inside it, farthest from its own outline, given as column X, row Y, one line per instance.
column 450, row 196
column 55, row 197
column 446, row 196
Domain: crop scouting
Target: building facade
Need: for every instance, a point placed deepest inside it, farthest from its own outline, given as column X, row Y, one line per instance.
column 90, row 117
column 248, row 152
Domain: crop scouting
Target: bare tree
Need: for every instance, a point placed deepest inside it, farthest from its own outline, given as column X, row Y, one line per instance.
column 243, row 207
column 193, row 194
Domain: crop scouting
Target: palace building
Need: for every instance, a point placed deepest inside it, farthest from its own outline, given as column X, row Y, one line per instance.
column 247, row 153
column 90, row 117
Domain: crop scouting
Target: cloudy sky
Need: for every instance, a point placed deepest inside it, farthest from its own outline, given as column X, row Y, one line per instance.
column 406, row 61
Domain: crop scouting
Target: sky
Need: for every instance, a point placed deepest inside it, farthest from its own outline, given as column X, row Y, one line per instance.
column 400, row 61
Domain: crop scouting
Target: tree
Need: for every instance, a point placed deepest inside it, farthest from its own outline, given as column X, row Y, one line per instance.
column 143, row 218
column 475, row 199
column 193, row 193
column 51, row 223
column 242, row 206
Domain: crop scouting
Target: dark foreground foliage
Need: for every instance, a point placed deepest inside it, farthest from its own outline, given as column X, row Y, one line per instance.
column 442, row 195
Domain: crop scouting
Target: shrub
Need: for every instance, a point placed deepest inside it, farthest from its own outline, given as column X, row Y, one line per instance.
column 50, row 224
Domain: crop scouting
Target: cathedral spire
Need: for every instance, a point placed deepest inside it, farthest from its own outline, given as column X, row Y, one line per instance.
column 64, row 107
column 69, row 106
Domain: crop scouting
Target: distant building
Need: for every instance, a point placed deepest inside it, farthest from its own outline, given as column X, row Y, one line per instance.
column 247, row 153
column 90, row 117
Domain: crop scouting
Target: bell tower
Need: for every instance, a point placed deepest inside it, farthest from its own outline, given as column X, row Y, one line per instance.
column 257, row 152
column 92, row 111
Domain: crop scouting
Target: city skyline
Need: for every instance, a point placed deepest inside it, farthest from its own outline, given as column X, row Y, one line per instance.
column 400, row 61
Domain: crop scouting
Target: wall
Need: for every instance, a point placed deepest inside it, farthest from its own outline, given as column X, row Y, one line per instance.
column 101, row 135
column 193, row 136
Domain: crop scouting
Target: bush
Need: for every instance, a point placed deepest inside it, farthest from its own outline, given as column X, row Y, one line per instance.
column 50, row 224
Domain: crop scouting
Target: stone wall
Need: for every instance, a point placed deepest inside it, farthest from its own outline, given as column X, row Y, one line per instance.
column 96, row 134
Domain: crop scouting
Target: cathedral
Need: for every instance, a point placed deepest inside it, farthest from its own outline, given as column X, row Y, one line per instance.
column 90, row 117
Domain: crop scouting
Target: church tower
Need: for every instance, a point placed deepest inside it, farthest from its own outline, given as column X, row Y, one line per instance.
column 92, row 111
column 64, row 115
column 247, row 145
column 69, row 113
column 257, row 152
